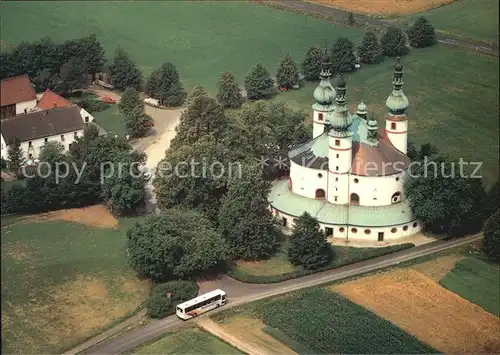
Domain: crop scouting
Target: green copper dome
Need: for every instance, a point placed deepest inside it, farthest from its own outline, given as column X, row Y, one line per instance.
column 397, row 103
column 362, row 109
column 324, row 94
column 340, row 119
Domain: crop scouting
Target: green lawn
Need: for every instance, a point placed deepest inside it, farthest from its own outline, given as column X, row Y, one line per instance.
column 477, row 19
column 111, row 120
column 328, row 323
column 62, row 283
column 476, row 281
column 277, row 268
column 189, row 341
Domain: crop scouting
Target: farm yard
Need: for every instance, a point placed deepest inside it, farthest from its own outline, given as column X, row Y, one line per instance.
column 188, row 341
column 449, row 106
column 64, row 278
column 436, row 304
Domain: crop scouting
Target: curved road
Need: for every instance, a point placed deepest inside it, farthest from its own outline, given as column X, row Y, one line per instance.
column 240, row 293
column 337, row 15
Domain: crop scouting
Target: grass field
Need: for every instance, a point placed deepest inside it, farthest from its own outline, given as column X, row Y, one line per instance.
column 64, row 278
column 421, row 307
column 329, row 323
column 476, row 281
column 477, row 19
column 188, row 341
column 111, row 120
column 278, row 268
column 383, row 7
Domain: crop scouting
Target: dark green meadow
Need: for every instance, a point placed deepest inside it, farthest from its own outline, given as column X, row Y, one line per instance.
column 63, row 282
column 453, row 94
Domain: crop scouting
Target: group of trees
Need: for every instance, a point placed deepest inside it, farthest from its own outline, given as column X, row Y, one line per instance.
column 61, row 67
column 131, row 107
column 93, row 175
column 371, row 50
column 212, row 215
column 449, row 202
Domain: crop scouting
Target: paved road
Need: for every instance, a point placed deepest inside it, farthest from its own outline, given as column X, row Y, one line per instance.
column 341, row 16
column 241, row 293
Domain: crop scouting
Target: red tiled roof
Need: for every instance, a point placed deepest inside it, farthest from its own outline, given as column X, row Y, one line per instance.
column 15, row 90
column 51, row 100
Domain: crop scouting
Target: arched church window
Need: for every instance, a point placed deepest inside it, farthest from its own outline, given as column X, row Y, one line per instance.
column 337, row 142
column 341, row 229
column 396, row 197
column 415, row 224
column 320, row 117
column 354, row 199
column 320, row 194
column 393, row 125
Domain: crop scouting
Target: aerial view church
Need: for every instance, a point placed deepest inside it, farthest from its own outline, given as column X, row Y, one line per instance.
column 350, row 175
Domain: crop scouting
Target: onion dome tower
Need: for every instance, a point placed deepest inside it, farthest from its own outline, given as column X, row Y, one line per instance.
column 324, row 96
column 340, row 148
column 396, row 122
column 362, row 111
column 372, row 136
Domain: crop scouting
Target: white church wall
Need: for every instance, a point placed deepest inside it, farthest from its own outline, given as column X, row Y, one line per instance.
column 318, row 123
column 397, row 132
column 305, row 181
column 376, row 190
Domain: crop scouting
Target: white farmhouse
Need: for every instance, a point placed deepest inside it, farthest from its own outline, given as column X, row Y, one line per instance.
column 62, row 124
column 350, row 175
column 17, row 96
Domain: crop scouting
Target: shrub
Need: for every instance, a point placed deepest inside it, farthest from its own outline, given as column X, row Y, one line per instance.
column 92, row 105
column 173, row 101
column 164, row 297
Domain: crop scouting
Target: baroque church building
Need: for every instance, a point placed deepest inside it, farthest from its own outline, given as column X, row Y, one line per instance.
column 350, row 175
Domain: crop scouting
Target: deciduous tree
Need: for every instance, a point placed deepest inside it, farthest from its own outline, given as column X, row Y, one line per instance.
column 308, row 245
column 176, row 243
column 491, row 241
column 370, row 50
column 393, row 42
column 196, row 92
column 137, row 122
column 229, row 93
column 258, row 83
column 164, row 85
column 343, row 55
column 130, row 101
column 245, row 221
column 287, row 75
column 203, row 117
column 72, row 76
column 442, row 199
column 124, row 72
column 422, row 33
column 311, row 66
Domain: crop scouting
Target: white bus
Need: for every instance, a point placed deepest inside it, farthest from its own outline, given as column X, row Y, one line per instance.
column 201, row 304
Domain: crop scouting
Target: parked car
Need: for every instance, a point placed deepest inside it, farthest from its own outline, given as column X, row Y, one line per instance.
column 108, row 100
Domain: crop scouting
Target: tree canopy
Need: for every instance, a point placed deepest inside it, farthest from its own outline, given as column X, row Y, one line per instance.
column 229, row 93
column 124, row 72
column 491, row 241
column 164, row 85
column 422, row 33
column 245, row 221
column 308, row 245
column 393, row 42
column 196, row 92
column 311, row 66
column 342, row 55
column 259, row 83
column 370, row 50
column 287, row 74
column 176, row 243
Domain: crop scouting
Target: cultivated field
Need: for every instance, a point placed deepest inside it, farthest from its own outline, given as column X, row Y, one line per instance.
column 64, row 278
column 420, row 306
column 476, row 281
column 188, row 341
column 383, row 7
column 453, row 95
column 247, row 334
